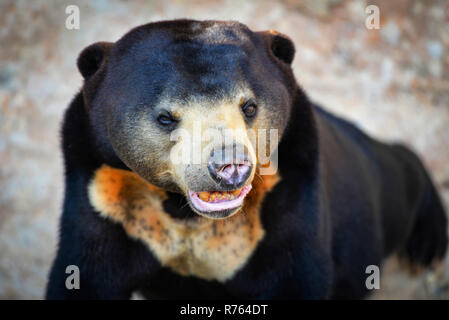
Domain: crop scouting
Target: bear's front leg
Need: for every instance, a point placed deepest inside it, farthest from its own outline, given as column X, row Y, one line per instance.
column 96, row 259
column 285, row 272
column 84, row 279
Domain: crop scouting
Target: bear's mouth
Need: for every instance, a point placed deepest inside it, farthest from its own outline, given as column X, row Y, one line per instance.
column 218, row 204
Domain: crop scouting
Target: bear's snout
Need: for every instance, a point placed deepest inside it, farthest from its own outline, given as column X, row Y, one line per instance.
column 230, row 167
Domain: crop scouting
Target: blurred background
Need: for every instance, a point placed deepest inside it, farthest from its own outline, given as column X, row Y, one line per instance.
column 393, row 82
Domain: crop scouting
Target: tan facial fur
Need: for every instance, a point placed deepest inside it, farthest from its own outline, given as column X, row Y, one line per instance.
column 204, row 119
column 201, row 247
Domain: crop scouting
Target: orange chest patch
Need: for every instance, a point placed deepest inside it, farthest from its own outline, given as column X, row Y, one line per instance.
column 208, row 249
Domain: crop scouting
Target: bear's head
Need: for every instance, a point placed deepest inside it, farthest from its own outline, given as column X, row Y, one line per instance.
column 191, row 106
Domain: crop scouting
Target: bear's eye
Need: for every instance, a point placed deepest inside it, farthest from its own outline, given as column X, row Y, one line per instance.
column 166, row 119
column 249, row 109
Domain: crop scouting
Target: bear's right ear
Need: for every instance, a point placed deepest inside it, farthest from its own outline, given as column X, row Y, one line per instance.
column 91, row 58
column 280, row 45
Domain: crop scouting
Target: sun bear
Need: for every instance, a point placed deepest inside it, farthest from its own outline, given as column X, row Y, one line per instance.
column 145, row 211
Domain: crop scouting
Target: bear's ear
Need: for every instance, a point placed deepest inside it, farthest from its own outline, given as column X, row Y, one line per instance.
column 280, row 45
column 91, row 58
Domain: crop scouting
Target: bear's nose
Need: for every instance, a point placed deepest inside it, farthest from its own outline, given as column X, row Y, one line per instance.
column 231, row 174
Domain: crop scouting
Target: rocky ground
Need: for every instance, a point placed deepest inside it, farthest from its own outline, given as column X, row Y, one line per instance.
column 393, row 82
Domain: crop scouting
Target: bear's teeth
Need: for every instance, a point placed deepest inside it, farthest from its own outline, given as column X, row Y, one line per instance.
column 204, row 196
column 236, row 192
column 215, row 196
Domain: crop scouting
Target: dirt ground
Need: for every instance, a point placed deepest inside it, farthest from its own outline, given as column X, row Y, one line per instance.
column 393, row 82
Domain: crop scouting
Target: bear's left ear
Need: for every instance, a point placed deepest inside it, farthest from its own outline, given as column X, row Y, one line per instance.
column 91, row 58
column 280, row 45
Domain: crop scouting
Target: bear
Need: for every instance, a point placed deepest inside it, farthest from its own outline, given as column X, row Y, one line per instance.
column 140, row 217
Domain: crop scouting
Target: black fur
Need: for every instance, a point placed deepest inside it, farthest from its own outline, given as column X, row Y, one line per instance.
column 345, row 201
